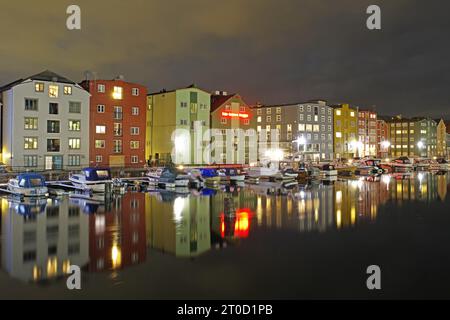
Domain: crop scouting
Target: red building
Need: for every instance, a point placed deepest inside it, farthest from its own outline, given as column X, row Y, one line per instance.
column 117, row 123
column 383, row 138
column 367, row 132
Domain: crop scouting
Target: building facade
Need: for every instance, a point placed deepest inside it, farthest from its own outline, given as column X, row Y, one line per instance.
column 231, row 120
column 367, row 133
column 45, row 123
column 117, row 123
column 301, row 129
column 346, row 142
column 178, row 123
column 441, row 139
column 415, row 137
column 383, row 143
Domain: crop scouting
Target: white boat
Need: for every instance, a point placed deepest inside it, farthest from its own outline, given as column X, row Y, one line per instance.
column 92, row 179
column 171, row 178
column 402, row 164
column 153, row 175
column 261, row 172
column 327, row 169
column 443, row 164
column 28, row 185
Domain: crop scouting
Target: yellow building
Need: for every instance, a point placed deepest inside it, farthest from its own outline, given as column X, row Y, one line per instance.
column 173, row 118
column 346, row 144
column 441, row 137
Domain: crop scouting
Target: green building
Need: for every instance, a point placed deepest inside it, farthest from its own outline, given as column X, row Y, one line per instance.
column 178, row 123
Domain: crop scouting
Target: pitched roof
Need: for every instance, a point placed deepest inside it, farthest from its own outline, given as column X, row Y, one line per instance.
column 46, row 75
column 218, row 100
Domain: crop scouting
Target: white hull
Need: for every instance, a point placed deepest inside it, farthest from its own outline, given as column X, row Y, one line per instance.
column 98, row 187
column 256, row 172
column 28, row 192
column 329, row 173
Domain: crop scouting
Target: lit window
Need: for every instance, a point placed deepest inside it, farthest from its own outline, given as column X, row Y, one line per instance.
column 100, row 129
column 135, row 111
column 352, row 114
column 259, row 119
column 67, row 90
column 74, row 125
column 258, row 128
column 301, row 127
column 53, row 91
column 338, row 112
column 39, row 87
column 134, row 144
column 338, row 135
column 118, row 92
column 31, row 123
column 74, row 143
column 99, row 144
column 30, row 143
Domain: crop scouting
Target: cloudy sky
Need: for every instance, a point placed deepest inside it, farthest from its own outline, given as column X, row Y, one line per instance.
column 271, row 51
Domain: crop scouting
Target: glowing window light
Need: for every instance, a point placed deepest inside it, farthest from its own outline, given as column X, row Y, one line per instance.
column 116, row 256
column 117, row 93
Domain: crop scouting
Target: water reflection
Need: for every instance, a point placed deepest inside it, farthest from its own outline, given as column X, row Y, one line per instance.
column 41, row 239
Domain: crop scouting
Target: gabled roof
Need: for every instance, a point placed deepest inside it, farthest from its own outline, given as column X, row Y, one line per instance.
column 46, row 75
column 219, row 100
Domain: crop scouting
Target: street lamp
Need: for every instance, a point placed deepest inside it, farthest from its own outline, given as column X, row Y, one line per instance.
column 420, row 145
column 385, row 144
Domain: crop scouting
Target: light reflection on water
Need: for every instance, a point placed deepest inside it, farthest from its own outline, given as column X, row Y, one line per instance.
column 41, row 239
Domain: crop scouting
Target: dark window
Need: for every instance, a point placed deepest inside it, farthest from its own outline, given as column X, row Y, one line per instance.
column 53, row 145
column 52, row 126
column 53, row 108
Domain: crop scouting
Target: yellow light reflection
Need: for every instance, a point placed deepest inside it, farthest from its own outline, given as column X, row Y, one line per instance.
column 338, row 218
column 116, row 256
column 52, row 267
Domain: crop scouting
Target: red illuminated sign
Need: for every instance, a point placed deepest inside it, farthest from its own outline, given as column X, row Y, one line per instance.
column 241, row 115
column 238, row 226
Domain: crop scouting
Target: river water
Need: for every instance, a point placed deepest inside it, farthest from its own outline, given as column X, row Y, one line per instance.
column 314, row 241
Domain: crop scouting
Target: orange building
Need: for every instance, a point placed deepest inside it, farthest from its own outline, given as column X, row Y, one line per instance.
column 367, row 132
column 117, row 123
column 382, row 138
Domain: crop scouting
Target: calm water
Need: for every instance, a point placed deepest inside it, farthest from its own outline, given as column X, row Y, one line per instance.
column 311, row 242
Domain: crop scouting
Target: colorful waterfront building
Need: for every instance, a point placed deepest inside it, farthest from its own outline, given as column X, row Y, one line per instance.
column 117, row 123
column 447, row 125
column 441, row 138
column 232, row 129
column 45, row 123
column 413, row 137
column 302, row 129
column 346, row 141
column 367, row 132
column 383, row 143
column 178, row 123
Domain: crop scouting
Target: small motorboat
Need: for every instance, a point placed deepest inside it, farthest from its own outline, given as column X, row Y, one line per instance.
column 210, row 176
column 369, row 167
column 153, row 175
column 28, row 185
column 287, row 174
column 327, row 169
column 402, row 164
column 263, row 171
column 92, row 179
column 172, row 178
column 196, row 179
column 443, row 165
column 231, row 174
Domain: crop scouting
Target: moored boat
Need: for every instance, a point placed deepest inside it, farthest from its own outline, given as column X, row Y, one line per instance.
column 92, row 179
column 402, row 164
column 28, row 185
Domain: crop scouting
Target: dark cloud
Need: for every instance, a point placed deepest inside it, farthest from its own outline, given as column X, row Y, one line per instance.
column 269, row 51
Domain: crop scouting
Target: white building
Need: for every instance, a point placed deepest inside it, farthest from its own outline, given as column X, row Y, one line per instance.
column 45, row 123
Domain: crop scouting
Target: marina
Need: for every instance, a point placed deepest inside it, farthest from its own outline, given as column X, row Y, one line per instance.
column 174, row 242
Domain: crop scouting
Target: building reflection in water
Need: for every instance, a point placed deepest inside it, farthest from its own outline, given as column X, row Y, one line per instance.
column 42, row 238
column 117, row 233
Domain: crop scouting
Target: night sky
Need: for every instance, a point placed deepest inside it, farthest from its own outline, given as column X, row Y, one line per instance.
column 269, row 51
